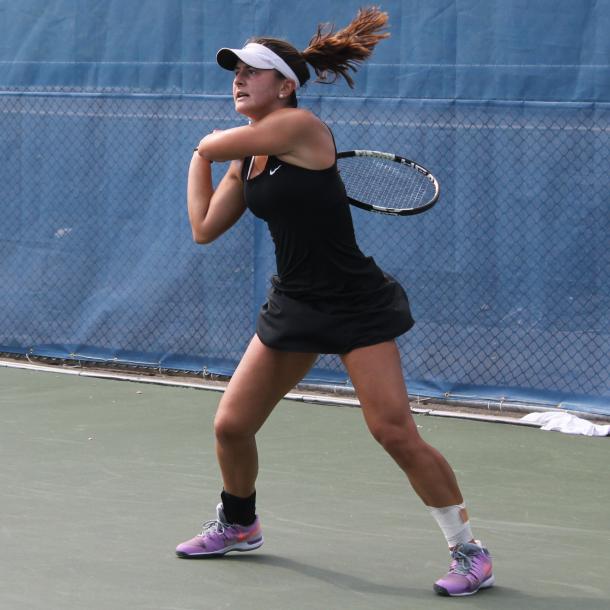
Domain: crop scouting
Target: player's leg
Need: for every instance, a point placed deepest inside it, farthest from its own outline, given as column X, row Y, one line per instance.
column 262, row 378
column 376, row 373
column 377, row 376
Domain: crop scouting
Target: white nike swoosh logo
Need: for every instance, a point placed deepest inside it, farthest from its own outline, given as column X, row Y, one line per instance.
column 272, row 171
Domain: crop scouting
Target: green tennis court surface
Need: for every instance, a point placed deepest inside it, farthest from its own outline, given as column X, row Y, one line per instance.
column 101, row 479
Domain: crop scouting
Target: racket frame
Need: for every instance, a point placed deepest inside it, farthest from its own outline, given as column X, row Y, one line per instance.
column 371, row 207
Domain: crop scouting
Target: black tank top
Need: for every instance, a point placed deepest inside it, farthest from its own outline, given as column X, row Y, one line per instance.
column 309, row 218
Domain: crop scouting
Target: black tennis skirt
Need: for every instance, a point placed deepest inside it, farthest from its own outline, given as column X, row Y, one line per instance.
column 332, row 326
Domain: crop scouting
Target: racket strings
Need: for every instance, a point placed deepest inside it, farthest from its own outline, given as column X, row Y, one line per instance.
column 385, row 183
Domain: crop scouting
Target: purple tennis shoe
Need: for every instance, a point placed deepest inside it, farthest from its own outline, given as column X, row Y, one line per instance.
column 219, row 537
column 470, row 571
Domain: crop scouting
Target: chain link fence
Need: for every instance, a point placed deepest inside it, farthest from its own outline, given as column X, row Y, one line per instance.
column 508, row 275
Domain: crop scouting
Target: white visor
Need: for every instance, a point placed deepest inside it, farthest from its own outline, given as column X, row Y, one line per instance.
column 257, row 56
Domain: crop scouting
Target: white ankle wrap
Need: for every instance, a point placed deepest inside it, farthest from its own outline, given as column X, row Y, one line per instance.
column 454, row 522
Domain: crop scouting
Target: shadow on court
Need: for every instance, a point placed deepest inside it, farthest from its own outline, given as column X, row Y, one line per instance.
column 101, row 479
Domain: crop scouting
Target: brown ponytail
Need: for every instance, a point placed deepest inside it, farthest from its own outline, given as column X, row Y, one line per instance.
column 338, row 52
column 330, row 51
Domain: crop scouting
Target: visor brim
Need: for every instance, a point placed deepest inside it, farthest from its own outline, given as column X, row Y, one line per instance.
column 228, row 58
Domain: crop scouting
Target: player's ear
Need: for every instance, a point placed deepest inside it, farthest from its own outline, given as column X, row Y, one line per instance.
column 287, row 88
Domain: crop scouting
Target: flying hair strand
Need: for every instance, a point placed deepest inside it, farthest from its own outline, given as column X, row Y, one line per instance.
column 334, row 53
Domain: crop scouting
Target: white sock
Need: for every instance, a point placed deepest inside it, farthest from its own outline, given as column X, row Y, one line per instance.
column 454, row 523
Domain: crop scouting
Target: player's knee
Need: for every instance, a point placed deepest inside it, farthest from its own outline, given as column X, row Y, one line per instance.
column 396, row 440
column 227, row 429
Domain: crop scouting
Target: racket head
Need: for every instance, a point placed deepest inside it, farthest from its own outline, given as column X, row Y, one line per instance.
column 386, row 183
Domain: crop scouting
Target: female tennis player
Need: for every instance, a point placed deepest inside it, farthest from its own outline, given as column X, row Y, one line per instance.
column 327, row 297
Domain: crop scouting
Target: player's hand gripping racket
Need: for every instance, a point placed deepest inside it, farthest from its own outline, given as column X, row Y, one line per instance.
column 386, row 183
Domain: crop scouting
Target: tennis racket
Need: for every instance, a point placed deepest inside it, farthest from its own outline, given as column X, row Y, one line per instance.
column 386, row 183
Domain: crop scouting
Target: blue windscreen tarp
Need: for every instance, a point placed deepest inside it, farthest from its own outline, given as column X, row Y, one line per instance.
column 508, row 102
